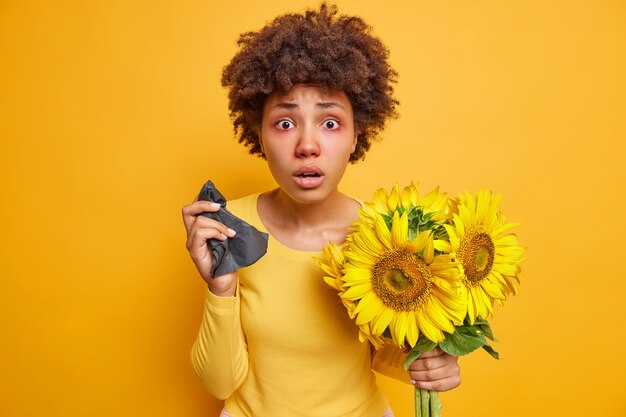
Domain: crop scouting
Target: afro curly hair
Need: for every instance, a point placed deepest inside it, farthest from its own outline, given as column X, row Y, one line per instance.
column 336, row 52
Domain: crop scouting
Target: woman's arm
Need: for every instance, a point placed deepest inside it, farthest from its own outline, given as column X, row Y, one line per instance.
column 389, row 361
column 219, row 355
column 434, row 370
column 199, row 231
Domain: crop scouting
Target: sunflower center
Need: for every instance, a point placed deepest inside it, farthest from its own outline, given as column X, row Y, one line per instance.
column 476, row 253
column 401, row 280
column 482, row 258
column 398, row 280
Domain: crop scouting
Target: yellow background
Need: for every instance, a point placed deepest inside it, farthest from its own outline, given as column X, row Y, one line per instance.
column 112, row 117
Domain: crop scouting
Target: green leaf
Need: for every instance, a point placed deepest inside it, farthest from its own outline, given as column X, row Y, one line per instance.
column 483, row 325
column 422, row 345
column 491, row 351
column 410, row 358
column 468, row 337
column 463, row 341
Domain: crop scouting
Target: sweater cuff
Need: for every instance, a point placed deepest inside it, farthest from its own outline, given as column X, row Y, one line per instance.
column 389, row 361
column 222, row 305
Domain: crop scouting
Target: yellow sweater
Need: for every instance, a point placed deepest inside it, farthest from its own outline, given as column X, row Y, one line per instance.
column 284, row 345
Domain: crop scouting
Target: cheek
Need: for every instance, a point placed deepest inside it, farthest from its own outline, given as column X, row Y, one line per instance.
column 275, row 161
column 274, row 153
column 341, row 160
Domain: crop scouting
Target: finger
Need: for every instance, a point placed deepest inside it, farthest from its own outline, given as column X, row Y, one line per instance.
column 198, row 236
column 200, row 252
column 435, row 374
column 434, row 362
column 190, row 211
column 202, row 221
column 192, row 215
column 201, row 206
column 439, row 385
column 431, row 353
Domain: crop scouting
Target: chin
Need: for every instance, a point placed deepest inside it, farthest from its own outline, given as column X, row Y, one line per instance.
column 308, row 196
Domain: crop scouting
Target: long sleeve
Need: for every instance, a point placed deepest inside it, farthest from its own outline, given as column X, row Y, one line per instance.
column 389, row 361
column 219, row 355
column 252, row 349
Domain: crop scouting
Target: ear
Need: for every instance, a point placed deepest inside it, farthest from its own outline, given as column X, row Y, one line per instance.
column 354, row 142
column 261, row 144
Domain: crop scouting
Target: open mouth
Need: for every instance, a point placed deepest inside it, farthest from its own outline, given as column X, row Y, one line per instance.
column 308, row 172
column 309, row 177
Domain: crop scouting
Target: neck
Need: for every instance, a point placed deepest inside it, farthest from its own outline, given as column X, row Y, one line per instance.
column 307, row 226
column 304, row 215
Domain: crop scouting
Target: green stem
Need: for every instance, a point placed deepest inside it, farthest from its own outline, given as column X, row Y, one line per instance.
column 435, row 404
column 418, row 402
column 425, row 402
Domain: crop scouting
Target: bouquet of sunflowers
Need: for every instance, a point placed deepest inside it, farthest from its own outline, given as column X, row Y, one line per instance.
column 425, row 271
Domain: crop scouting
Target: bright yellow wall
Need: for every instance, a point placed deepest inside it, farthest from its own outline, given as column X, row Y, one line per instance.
column 112, row 117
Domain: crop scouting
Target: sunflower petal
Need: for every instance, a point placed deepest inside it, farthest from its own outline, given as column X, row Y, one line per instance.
column 429, row 329
column 412, row 331
column 429, row 251
column 357, row 291
column 419, row 243
column 399, row 229
column 436, row 316
column 358, row 258
column 381, row 322
column 369, row 301
column 380, row 201
column 394, row 198
column 382, row 231
column 400, row 327
column 443, row 246
column 366, row 315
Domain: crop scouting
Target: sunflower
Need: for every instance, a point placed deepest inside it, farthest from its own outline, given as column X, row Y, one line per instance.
column 331, row 263
column 488, row 254
column 400, row 286
column 433, row 205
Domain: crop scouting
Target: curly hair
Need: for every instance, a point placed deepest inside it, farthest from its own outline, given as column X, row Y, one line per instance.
column 337, row 52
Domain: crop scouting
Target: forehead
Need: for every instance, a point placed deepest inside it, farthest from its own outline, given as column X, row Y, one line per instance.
column 314, row 93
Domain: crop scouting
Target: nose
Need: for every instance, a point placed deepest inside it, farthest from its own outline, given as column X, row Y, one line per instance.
column 308, row 143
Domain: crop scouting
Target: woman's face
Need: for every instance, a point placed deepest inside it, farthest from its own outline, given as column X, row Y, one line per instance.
column 307, row 136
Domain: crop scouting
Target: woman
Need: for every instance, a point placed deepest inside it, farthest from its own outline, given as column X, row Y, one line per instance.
column 308, row 93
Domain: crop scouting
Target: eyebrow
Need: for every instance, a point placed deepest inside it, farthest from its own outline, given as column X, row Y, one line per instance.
column 321, row 104
column 327, row 105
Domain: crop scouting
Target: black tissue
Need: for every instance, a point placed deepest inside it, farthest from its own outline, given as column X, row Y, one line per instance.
column 245, row 248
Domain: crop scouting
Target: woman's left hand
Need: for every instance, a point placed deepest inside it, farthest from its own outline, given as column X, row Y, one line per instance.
column 436, row 371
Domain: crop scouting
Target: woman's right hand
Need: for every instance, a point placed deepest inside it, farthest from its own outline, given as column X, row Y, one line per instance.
column 199, row 230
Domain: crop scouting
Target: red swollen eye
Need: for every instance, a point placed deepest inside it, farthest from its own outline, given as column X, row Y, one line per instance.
column 331, row 124
column 284, row 124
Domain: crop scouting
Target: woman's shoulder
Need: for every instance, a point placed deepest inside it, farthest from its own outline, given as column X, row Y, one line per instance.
column 243, row 201
column 245, row 208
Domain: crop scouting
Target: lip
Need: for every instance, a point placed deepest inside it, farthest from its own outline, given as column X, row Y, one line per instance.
column 309, row 176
